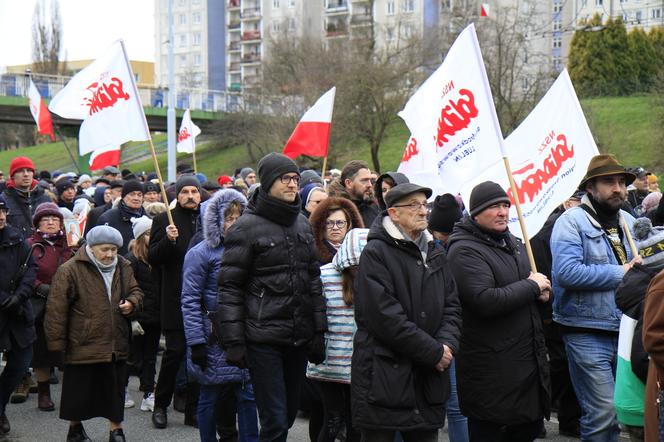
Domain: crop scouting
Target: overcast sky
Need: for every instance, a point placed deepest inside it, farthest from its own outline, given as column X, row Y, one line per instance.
column 89, row 27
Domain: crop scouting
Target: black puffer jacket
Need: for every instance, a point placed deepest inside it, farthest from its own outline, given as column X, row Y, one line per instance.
column 502, row 368
column 166, row 258
column 405, row 310
column 146, row 281
column 630, row 296
column 22, row 206
column 269, row 281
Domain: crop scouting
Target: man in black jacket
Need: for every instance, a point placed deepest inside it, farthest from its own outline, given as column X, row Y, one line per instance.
column 408, row 325
column 503, row 374
column 168, row 245
column 94, row 215
column 17, row 330
column 355, row 185
column 271, row 310
column 130, row 206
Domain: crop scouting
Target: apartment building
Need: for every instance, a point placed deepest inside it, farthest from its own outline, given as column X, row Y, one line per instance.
column 199, row 40
column 635, row 13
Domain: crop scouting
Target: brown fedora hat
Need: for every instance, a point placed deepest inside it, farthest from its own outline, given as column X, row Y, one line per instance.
column 605, row 165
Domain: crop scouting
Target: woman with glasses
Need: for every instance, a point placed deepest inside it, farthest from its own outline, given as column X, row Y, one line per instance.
column 54, row 252
column 330, row 221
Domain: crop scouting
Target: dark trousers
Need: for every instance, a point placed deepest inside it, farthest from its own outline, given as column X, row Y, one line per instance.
column 277, row 373
column 483, row 431
column 170, row 363
column 337, row 414
column 18, row 361
column 226, row 411
column 144, row 350
column 408, row 436
column 563, row 397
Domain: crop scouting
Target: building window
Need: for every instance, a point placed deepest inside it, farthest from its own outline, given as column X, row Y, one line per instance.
column 183, row 39
column 390, row 7
column 656, row 13
column 197, row 59
column 275, row 4
column 291, row 24
column 183, row 19
column 407, row 5
column 183, row 60
column 624, row 17
column 599, row 2
column 291, row 3
column 196, row 18
column 557, row 8
column 446, row 4
column 389, row 33
column 276, row 27
column 638, row 16
column 557, row 26
column 196, row 39
column 557, row 42
column 408, row 31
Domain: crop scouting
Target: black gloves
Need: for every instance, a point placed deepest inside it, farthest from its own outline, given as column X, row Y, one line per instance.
column 236, row 356
column 12, row 303
column 316, row 350
column 199, row 355
column 42, row 290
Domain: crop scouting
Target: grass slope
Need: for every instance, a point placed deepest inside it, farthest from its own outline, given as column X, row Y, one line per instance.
column 628, row 127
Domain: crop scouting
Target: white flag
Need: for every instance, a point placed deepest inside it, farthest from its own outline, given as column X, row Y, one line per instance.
column 105, row 97
column 187, row 135
column 453, row 120
column 549, row 154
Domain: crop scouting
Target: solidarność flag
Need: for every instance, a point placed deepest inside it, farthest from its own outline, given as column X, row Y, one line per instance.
column 187, row 135
column 39, row 112
column 312, row 134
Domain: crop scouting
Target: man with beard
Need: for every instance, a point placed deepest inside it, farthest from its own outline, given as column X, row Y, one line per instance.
column 23, row 195
column 167, row 248
column 355, row 184
column 590, row 257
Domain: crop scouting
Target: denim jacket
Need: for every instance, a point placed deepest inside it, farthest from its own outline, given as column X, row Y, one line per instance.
column 585, row 271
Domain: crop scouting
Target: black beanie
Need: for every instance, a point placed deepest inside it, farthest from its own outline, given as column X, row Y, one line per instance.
column 444, row 214
column 272, row 166
column 63, row 185
column 131, row 186
column 486, row 194
column 184, row 181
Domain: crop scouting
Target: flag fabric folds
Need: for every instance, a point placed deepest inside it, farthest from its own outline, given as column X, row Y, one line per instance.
column 187, row 134
column 105, row 97
column 106, row 156
column 312, row 134
column 453, row 121
column 39, row 112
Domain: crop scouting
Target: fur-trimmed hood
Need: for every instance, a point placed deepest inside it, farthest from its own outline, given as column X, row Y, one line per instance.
column 214, row 212
column 318, row 218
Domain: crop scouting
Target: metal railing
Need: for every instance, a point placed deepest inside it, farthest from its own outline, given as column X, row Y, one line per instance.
column 17, row 85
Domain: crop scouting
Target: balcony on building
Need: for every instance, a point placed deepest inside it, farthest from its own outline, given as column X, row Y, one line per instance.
column 252, row 57
column 251, row 14
column 235, row 87
column 233, row 4
column 248, row 36
column 234, row 66
column 234, row 46
column 361, row 18
column 334, row 7
column 336, row 29
column 234, row 26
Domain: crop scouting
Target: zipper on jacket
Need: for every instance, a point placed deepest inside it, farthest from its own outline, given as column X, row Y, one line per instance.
column 260, row 305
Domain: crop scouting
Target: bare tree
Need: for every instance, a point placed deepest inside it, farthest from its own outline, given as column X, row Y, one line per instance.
column 46, row 38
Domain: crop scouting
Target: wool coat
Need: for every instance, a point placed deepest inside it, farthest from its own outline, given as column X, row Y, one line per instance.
column 80, row 318
column 653, row 343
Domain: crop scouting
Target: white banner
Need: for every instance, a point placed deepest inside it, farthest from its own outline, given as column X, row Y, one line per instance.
column 549, row 154
column 105, row 97
column 452, row 119
column 187, row 134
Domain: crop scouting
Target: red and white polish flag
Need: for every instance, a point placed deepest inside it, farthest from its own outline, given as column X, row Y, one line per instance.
column 105, row 97
column 106, row 156
column 187, row 134
column 484, row 10
column 312, row 134
column 39, row 112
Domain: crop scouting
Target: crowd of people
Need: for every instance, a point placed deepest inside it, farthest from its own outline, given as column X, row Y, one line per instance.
column 378, row 310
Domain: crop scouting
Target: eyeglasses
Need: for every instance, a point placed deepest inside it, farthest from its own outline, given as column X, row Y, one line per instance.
column 415, row 206
column 286, row 179
column 50, row 219
column 340, row 224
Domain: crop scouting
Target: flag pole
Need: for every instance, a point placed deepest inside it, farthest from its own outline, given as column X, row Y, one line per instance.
column 71, row 156
column 147, row 130
column 508, row 169
column 193, row 142
column 193, row 153
column 630, row 240
column 322, row 174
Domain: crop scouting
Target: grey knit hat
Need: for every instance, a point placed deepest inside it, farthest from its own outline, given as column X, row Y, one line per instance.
column 104, row 235
column 186, row 180
column 650, row 242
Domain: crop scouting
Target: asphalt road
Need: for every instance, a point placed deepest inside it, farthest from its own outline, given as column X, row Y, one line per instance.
column 29, row 424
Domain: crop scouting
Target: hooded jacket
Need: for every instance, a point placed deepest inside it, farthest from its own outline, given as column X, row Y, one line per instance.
column 397, row 177
column 502, row 366
column 199, row 289
column 318, row 219
column 406, row 309
column 269, row 281
column 369, row 210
